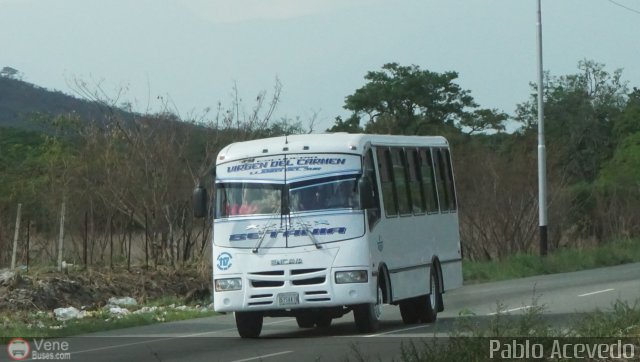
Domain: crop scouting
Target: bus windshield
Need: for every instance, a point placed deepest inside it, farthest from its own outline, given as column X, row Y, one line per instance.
column 246, row 198
column 327, row 193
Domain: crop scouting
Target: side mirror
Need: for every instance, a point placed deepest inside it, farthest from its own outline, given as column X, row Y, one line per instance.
column 366, row 193
column 199, row 202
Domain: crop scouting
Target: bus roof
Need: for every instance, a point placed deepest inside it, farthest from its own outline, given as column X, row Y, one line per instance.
column 322, row 143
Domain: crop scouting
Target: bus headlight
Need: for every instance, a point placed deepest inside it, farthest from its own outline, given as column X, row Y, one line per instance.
column 225, row 285
column 351, row 276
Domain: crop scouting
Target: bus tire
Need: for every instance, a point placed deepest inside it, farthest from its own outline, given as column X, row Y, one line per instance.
column 439, row 299
column 409, row 311
column 367, row 316
column 249, row 324
column 429, row 303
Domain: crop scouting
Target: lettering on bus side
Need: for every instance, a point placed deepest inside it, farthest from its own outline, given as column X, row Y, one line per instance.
column 247, row 167
column 288, row 233
column 274, row 165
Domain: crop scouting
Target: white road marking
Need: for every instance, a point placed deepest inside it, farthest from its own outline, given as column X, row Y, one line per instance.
column 157, row 339
column 511, row 310
column 128, row 344
column 596, row 292
column 393, row 331
column 413, row 335
column 263, row 356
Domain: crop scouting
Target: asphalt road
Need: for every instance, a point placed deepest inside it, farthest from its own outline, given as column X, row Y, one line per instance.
column 562, row 296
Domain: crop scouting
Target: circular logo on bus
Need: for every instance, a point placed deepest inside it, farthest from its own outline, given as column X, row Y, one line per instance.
column 223, row 261
column 18, row 349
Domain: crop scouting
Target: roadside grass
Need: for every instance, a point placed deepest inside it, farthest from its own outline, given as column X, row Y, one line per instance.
column 45, row 325
column 471, row 340
column 558, row 261
column 623, row 321
column 471, row 336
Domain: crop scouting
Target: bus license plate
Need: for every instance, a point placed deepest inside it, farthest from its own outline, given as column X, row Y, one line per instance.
column 288, row 299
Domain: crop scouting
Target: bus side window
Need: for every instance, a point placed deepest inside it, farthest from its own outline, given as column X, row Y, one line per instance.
column 448, row 175
column 386, row 181
column 400, row 180
column 443, row 190
column 416, row 193
column 373, row 214
column 427, row 179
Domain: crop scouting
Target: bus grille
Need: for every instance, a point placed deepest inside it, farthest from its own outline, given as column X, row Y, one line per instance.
column 266, row 283
column 296, row 277
column 309, row 281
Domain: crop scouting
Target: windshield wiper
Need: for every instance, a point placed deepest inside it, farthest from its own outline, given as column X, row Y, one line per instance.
column 305, row 226
column 275, row 213
column 255, row 248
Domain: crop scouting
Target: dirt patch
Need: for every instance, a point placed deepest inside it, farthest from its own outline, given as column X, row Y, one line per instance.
column 91, row 289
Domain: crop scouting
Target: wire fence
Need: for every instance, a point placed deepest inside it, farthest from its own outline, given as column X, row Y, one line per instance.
column 114, row 242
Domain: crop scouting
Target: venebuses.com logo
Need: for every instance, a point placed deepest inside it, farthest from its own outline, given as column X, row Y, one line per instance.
column 18, row 349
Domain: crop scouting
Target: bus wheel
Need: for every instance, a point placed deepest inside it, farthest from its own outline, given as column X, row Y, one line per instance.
column 305, row 320
column 409, row 311
column 367, row 316
column 429, row 303
column 249, row 324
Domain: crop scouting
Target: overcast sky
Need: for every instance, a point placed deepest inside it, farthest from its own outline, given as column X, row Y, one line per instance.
column 194, row 51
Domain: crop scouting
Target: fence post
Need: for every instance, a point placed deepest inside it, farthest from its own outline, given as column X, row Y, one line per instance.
column 15, row 238
column 111, row 242
column 146, row 239
column 61, row 237
column 129, row 246
column 86, row 237
column 28, row 239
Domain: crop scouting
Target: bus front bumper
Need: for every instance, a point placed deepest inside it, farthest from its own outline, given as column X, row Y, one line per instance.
column 311, row 291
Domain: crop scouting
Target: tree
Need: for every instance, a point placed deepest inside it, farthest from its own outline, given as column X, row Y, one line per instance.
column 618, row 183
column 10, row 73
column 618, row 190
column 351, row 125
column 623, row 170
column 628, row 122
column 407, row 100
column 483, row 119
column 579, row 112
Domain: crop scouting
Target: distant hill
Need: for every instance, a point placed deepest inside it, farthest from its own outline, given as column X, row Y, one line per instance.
column 21, row 103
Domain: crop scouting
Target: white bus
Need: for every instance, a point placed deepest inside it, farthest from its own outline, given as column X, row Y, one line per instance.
column 316, row 226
